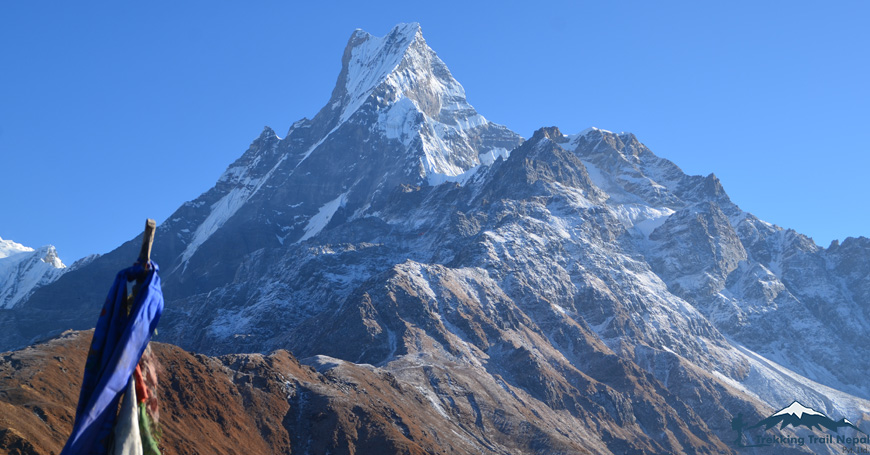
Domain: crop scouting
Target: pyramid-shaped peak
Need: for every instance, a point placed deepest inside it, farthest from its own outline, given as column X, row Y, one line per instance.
column 49, row 256
column 369, row 59
column 398, row 88
column 399, row 64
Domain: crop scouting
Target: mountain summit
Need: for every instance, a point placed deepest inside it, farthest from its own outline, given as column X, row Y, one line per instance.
column 567, row 293
column 23, row 269
column 417, row 101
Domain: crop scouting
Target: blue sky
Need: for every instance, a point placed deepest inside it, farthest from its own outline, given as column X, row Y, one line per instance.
column 111, row 113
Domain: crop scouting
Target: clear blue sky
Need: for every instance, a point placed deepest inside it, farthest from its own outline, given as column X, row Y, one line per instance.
column 111, row 112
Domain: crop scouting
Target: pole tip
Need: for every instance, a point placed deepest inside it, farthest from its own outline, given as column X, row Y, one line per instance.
column 147, row 241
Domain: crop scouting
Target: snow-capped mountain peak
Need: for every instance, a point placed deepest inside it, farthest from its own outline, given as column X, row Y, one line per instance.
column 369, row 60
column 23, row 269
column 8, row 248
column 47, row 253
column 417, row 100
column 399, row 65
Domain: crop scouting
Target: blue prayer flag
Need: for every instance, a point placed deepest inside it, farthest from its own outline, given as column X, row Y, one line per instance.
column 119, row 341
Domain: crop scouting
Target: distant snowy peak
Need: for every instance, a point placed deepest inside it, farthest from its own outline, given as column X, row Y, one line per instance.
column 9, row 248
column 23, row 269
column 47, row 254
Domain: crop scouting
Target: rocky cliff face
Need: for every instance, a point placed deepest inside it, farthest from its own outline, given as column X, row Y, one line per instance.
column 577, row 290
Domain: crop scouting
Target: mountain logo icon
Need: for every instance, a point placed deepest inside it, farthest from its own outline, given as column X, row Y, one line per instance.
column 798, row 415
